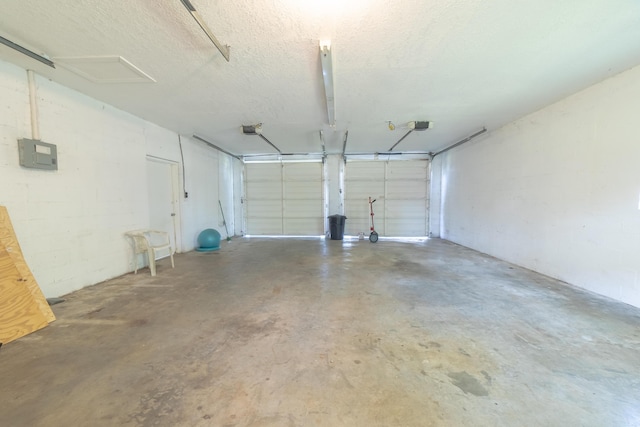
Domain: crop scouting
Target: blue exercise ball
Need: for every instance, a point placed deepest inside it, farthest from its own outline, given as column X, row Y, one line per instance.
column 209, row 240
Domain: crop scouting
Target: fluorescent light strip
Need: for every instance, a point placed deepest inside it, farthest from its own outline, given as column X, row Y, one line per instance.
column 327, row 75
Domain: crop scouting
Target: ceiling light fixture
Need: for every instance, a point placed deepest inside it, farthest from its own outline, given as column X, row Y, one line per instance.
column 415, row 125
column 327, row 76
column 27, row 52
column 224, row 50
column 257, row 130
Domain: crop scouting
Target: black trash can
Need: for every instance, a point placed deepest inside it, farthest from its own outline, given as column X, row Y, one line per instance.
column 336, row 226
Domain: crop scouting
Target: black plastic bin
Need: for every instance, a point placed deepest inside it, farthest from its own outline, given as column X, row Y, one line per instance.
column 336, row 226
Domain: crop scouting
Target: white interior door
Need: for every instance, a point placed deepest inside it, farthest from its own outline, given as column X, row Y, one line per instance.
column 284, row 198
column 163, row 204
column 401, row 192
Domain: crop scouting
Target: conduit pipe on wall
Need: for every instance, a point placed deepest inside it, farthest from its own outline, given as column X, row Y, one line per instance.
column 33, row 104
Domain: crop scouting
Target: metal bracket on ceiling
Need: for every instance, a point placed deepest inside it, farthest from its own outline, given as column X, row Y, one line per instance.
column 257, row 130
column 27, row 52
column 270, row 143
column 415, row 125
column 324, row 150
column 400, row 140
column 344, row 146
column 224, row 49
column 462, row 141
column 217, row 148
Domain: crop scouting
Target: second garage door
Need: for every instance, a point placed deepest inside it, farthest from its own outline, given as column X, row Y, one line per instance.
column 401, row 192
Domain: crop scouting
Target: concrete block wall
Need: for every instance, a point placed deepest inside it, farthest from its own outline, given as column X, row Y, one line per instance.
column 71, row 222
column 557, row 191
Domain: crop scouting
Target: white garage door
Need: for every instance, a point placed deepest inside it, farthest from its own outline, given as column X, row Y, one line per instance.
column 401, row 192
column 284, row 199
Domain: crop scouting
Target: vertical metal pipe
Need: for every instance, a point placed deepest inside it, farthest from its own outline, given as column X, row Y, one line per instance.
column 35, row 131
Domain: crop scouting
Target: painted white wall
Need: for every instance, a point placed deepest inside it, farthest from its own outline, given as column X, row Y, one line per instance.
column 557, row 191
column 70, row 223
column 200, row 210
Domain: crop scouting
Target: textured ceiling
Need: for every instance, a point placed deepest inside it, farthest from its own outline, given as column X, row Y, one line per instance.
column 464, row 65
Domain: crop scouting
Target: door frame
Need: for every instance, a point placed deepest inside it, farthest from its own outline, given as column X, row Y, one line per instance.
column 175, row 198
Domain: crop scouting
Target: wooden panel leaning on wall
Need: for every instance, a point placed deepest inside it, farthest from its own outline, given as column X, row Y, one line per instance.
column 23, row 307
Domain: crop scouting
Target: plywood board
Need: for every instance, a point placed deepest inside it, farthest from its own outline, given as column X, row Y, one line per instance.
column 19, row 313
column 9, row 242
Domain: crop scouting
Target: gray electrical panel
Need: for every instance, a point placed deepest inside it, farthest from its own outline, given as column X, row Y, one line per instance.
column 37, row 154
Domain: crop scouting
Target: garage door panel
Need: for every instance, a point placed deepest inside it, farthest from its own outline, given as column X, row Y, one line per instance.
column 363, row 190
column 264, row 208
column 354, row 226
column 302, row 171
column 284, row 198
column 406, row 189
column 265, row 226
column 302, row 208
column 365, row 171
column 264, row 172
column 405, row 208
column 406, row 227
column 264, row 190
column 304, row 226
column 401, row 192
column 406, row 170
column 357, row 210
column 302, row 190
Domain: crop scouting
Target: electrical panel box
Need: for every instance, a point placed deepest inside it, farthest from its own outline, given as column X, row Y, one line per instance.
column 37, row 154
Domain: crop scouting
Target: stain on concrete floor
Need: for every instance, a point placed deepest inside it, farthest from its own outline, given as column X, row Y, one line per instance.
column 304, row 332
column 467, row 383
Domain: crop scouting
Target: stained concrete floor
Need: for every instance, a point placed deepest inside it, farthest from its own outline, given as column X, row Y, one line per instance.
column 270, row 332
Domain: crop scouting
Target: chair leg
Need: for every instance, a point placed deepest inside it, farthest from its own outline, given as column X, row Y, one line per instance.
column 152, row 261
column 171, row 255
column 135, row 263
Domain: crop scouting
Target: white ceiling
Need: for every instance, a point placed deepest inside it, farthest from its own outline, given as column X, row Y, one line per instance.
column 463, row 64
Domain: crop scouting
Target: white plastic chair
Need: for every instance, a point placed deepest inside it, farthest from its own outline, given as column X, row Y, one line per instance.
column 150, row 242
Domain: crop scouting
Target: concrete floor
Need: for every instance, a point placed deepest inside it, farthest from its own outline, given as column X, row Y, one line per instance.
column 270, row 332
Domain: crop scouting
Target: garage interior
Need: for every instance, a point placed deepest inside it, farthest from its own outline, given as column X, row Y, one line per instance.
column 497, row 140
